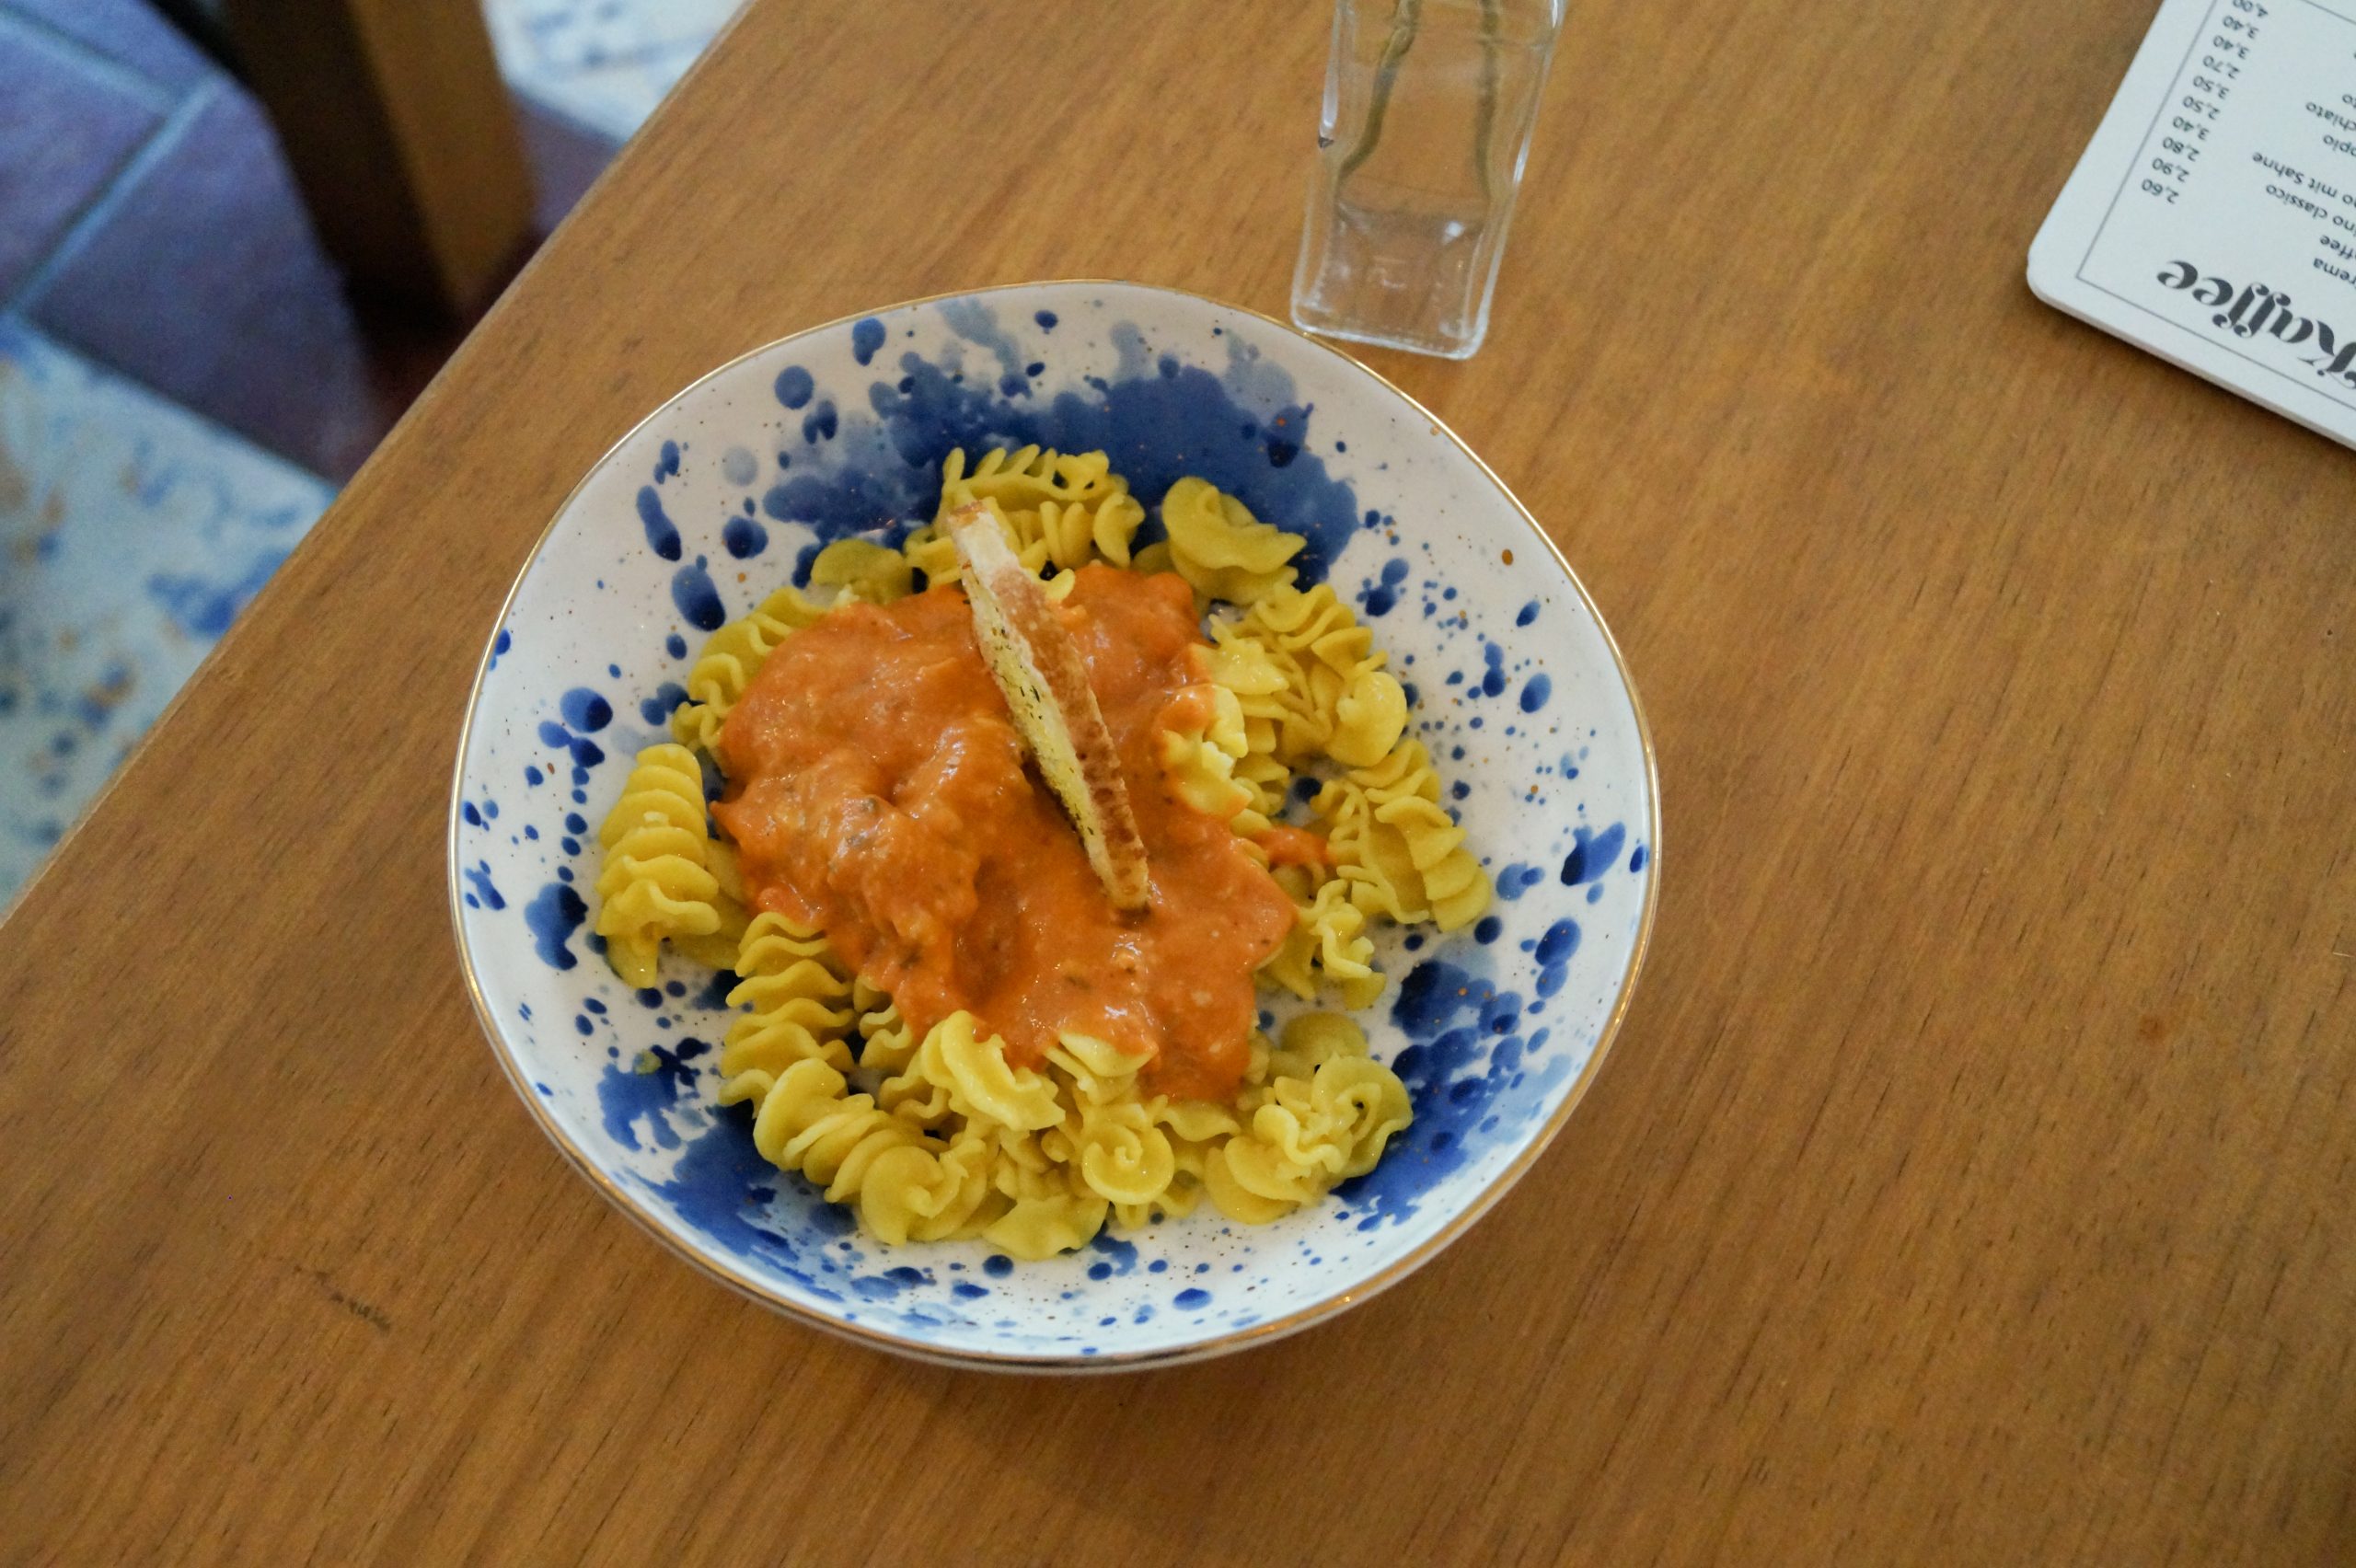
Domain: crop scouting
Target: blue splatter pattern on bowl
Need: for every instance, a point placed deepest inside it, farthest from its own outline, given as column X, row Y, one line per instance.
column 733, row 486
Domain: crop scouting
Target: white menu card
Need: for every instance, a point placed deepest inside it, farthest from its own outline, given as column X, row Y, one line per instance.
column 2213, row 220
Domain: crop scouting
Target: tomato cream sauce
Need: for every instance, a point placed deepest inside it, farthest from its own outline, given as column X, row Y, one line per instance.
column 879, row 791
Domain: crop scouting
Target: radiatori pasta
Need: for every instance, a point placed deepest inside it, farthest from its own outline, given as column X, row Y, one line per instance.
column 662, row 876
column 943, row 1132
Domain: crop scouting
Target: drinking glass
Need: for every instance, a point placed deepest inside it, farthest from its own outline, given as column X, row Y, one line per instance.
column 1428, row 113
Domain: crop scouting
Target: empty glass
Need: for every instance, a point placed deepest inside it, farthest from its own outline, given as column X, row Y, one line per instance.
column 1427, row 114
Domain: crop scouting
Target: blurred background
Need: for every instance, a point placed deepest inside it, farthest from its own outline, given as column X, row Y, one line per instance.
column 219, row 289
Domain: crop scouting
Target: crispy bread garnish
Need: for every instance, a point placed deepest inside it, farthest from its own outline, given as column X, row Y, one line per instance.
column 1038, row 667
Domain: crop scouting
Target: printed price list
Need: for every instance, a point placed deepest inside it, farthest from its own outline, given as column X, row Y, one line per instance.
column 2237, row 219
column 2224, row 54
column 2212, row 219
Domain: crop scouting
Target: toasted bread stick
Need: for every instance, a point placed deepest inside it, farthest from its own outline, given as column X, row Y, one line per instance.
column 1037, row 664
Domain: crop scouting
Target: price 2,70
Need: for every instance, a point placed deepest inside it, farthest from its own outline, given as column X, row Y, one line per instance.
column 2221, row 65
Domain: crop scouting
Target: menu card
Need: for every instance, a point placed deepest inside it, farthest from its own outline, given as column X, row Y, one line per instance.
column 2213, row 220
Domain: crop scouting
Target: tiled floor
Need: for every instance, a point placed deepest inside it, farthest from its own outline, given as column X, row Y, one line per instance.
column 183, row 380
column 603, row 64
column 69, row 128
column 132, row 532
column 206, row 267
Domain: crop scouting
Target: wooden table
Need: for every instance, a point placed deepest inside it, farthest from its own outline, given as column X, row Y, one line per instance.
column 1974, row 1182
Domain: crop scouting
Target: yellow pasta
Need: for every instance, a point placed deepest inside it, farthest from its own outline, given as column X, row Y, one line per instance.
column 1252, row 672
column 1269, row 782
column 1200, row 764
column 1192, row 1123
column 805, row 1119
column 1327, row 944
column 656, row 882
column 1047, row 1217
column 800, row 998
column 1312, row 679
column 729, row 661
column 1220, row 549
column 1059, row 512
column 1312, row 623
column 1120, row 1155
column 862, row 569
column 1369, row 716
column 1097, row 1071
column 914, row 1192
column 718, row 948
column 886, row 1043
column 937, row 1135
column 1022, row 479
column 1396, row 846
column 959, row 1071
column 1179, row 1197
column 1074, row 528
column 930, row 551
column 1108, row 1137
column 1326, row 1114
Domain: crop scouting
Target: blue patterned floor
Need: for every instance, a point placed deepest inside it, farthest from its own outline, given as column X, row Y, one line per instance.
column 132, row 533
column 604, row 64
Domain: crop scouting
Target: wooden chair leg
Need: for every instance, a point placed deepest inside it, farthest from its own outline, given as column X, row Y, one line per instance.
column 401, row 136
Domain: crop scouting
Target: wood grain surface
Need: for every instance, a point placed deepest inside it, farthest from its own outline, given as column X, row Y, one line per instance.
column 1972, row 1183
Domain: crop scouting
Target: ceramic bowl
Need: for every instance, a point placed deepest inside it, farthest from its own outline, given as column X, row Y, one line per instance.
column 729, row 489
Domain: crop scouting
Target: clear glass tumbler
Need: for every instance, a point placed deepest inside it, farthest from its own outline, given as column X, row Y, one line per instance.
column 1427, row 114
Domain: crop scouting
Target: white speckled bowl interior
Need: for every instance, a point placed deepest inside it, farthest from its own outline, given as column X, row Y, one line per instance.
column 728, row 490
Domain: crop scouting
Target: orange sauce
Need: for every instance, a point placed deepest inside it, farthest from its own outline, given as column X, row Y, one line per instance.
column 880, row 791
column 1293, row 847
